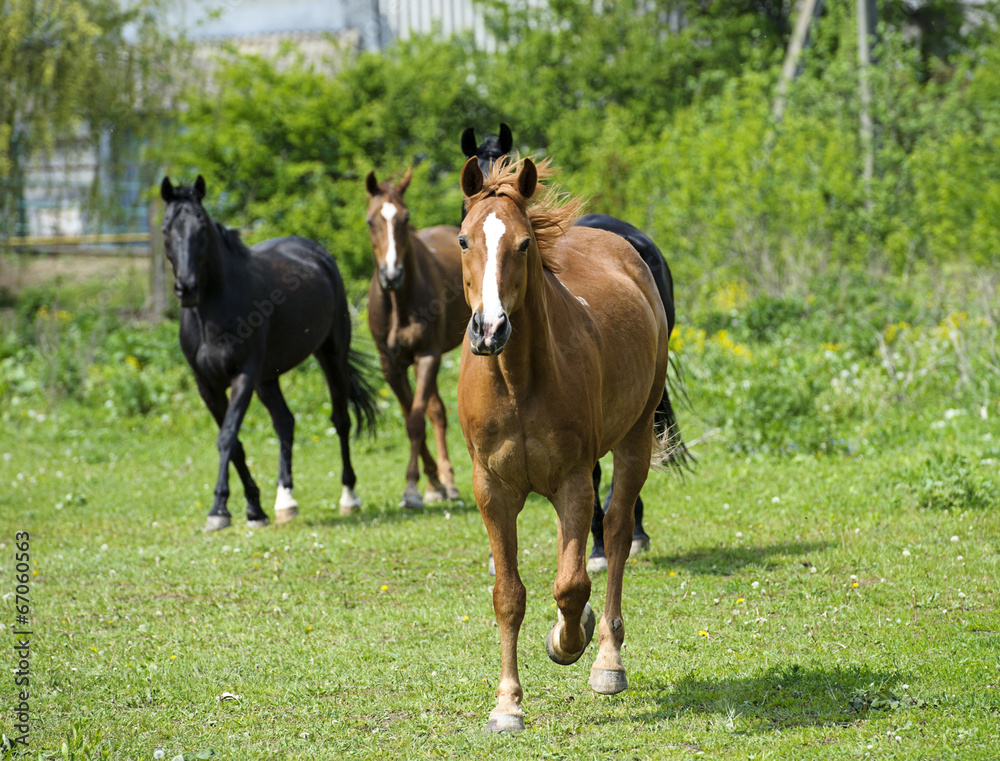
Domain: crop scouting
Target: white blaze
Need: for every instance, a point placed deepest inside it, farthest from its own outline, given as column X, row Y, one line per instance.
column 493, row 229
column 388, row 212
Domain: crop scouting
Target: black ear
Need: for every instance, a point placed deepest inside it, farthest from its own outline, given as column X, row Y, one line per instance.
column 372, row 184
column 469, row 144
column 199, row 187
column 527, row 180
column 166, row 190
column 472, row 177
column 506, row 138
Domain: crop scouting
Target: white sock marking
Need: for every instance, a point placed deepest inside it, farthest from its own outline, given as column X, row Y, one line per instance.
column 349, row 498
column 493, row 229
column 388, row 212
column 284, row 500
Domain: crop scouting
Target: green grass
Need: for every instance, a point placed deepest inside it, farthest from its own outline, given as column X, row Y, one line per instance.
column 801, row 606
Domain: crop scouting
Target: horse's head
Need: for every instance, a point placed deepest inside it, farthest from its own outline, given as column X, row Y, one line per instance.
column 186, row 230
column 496, row 239
column 492, row 148
column 388, row 226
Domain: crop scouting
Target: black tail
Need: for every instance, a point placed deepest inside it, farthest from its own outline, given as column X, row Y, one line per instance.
column 666, row 428
column 362, row 399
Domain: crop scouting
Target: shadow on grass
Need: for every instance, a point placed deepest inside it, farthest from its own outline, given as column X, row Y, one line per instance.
column 779, row 698
column 725, row 561
column 387, row 513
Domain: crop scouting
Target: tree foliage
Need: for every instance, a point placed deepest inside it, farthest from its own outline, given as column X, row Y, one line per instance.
column 99, row 66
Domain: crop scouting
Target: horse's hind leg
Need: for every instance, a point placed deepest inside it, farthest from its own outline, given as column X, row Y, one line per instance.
column 285, row 506
column 631, row 466
column 395, row 376
column 338, row 379
column 575, row 626
column 229, row 415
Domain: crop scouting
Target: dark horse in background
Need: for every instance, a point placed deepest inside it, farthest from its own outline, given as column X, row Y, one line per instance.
column 495, row 147
column 247, row 316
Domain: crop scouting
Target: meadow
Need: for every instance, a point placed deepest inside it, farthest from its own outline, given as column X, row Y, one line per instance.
column 823, row 584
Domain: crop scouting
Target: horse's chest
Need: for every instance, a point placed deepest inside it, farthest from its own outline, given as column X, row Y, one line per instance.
column 521, row 452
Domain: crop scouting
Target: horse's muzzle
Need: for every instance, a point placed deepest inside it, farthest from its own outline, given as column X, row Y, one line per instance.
column 485, row 339
column 390, row 282
column 188, row 294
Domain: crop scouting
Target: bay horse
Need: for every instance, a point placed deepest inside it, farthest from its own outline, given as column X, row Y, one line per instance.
column 416, row 313
column 493, row 148
column 248, row 315
column 565, row 359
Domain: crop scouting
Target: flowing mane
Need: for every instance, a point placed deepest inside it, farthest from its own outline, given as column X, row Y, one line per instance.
column 550, row 211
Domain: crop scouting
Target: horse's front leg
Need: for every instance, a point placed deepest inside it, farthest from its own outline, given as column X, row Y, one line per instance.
column 439, row 419
column 395, row 376
column 632, row 455
column 240, row 394
column 574, row 627
column 499, row 508
column 425, row 369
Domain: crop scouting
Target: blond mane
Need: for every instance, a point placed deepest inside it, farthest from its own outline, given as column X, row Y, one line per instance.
column 550, row 211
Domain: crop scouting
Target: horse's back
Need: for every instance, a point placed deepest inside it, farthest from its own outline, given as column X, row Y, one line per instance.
column 442, row 241
column 647, row 249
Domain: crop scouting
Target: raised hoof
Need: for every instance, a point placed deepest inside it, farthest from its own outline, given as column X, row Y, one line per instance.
column 597, row 563
column 217, row 522
column 433, row 495
column 505, row 722
column 257, row 522
column 287, row 515
column 639, row 544
column 491, row 567
column 607, row 682
column 452, row 492
column 589, row 620
column 346, row 510
column 412, row 502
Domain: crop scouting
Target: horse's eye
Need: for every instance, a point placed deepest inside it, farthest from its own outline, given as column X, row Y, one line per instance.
column 523, row 248
column 463, row 242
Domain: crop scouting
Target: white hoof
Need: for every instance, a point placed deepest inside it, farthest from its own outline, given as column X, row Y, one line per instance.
column 286, row 516
column 587, row 623
column 261, row 523
column 217, row 522
column 432, row 495
column 639, row 544
column 350, row 502
column 452, row 492
column 595, row 564
column 284, row 499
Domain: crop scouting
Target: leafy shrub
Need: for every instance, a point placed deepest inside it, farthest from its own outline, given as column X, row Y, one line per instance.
column 767, row 317
column 948, row 482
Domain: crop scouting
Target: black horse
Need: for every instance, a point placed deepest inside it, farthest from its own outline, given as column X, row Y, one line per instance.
column 495, row 147
column 247, row 316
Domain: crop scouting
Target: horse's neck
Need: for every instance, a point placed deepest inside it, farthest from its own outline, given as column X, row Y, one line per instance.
column 220, row 273
column 414, row 260
column 529, row 354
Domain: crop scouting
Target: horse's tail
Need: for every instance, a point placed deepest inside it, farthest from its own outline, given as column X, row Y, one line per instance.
column 363, row 396
column 670, row 449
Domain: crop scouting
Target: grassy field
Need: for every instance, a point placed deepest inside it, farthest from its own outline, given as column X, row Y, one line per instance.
column 793, row 605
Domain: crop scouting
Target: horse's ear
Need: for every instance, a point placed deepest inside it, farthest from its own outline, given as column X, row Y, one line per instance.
column 506, row 138
column 472, row 177
column 469, row 144
column 405, row 182
column 167, row 190
column 199, row 187
column 527, row 179
column 372, row 184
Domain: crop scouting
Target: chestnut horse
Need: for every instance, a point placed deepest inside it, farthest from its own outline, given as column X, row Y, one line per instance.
column 495, row 147
column 564, row 359
column 416, row 313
